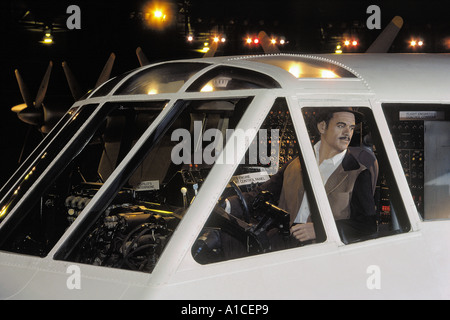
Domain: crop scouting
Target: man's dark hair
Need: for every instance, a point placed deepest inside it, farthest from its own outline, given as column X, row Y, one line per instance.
column 326, row 114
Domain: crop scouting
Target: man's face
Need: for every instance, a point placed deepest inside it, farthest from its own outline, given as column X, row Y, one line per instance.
column 339, row 132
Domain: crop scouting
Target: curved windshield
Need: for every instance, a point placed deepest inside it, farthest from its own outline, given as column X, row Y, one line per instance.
column 105, row 88
column 164, row 78
column 42, row 157
column 47, row 198
column 28, row 163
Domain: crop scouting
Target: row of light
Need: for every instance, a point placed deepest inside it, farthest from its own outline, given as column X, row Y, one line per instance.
column 248, row 40
column 416, row 43
column 347, row 43
column 256, row 40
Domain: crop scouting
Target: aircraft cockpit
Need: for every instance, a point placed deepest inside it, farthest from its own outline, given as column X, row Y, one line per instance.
column 117, row 177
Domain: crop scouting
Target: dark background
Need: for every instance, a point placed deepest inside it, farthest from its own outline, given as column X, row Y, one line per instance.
column 120, row 27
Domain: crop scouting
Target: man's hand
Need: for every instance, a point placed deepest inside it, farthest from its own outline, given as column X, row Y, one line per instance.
column 304, row 231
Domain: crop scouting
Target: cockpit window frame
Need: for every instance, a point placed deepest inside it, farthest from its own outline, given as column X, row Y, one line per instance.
column 68, row 241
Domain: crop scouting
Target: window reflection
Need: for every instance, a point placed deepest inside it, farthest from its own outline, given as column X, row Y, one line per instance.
column 164, row 78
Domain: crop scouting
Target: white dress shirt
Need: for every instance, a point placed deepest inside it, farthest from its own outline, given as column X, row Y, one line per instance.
column 326, row 168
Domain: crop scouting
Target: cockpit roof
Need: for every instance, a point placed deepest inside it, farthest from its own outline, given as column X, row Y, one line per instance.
column 369, row 73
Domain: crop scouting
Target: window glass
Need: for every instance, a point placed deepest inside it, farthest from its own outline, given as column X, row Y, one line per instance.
column 262, row 200
column 51, row 197
column 421, row 134
column 356, row 173
column 26, row 166
column 30, row 172
column 229, row 78
column 163, row 78
column 129, row 226
column 106, row 87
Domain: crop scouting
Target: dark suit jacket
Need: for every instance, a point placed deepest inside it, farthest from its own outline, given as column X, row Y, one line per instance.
column 350, row 190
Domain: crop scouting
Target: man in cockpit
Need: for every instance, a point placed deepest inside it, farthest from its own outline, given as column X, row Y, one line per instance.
column 348, row 173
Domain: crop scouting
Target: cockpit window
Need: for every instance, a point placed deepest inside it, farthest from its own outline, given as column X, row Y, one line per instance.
column 229, row 78
column 259, row 205
column 357, row 176
column 29, row 163
column 31, row 170
column 421, row 134
column 129, row 226
column 29, row 222
column 69, row 172
column 106, row 87
column 163, row 78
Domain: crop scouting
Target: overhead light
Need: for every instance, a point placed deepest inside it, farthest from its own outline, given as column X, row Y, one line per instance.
column 48, row 38
column 158, row 14
column 415, row 42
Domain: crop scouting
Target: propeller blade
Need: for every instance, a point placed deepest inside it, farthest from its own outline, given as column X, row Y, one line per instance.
column 73, row 83
column 143, row 61
column 18, row 108
column 31, row 116
column 106, row 72
column 384, row 41
column 51, row 117
column 43, row 88
column 266, row 43
column 24, row 90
